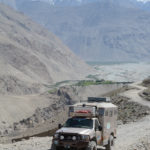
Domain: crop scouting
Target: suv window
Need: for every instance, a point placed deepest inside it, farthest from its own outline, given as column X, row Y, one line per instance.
column 110, row 113
column 106, row 113
column 101, row 111
column 79, row 123
column 96, row 125
column 115, row 112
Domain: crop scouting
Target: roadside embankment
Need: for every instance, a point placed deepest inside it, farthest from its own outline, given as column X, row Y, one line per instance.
column 129, row 107
column 129, row 111
column 146, row 93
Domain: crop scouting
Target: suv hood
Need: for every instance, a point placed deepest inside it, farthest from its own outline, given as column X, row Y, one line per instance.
column 82, row 131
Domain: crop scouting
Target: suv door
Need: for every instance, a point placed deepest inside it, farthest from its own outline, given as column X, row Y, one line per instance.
column 98, row 132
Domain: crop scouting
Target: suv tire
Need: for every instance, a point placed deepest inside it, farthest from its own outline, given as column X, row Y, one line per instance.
column 92, row 146
column 53, row 147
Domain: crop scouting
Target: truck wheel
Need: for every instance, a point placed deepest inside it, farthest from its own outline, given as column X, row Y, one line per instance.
column 110, row 143
column 92, row 146
column 53, row 147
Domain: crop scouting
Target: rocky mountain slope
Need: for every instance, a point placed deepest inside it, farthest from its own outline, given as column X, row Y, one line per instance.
column 105, row 30
column 11, row 3
column 142, row 4
column 30, row 59
column 30, row 55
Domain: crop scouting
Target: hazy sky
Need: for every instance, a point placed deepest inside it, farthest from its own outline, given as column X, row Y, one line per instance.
column 51, row 1
column 143, row 0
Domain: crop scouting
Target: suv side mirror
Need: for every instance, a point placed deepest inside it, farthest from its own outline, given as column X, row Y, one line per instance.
column 100, row 128
column 59, row 126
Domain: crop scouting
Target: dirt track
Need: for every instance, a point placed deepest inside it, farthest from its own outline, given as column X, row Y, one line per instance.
column 134, row 94
column 131, row 135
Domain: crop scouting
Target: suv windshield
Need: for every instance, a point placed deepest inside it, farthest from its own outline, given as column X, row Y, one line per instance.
column 79, row 123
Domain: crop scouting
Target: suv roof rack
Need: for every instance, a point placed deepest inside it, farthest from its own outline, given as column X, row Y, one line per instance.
column 98, row 99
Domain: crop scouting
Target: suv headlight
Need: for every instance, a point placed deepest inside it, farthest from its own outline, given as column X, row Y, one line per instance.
column 56, row 136
column 62, row 137
column 85, row 137
column 74, row 138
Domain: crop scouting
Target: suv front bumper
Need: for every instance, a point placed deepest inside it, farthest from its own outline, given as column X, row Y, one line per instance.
column 70, row 144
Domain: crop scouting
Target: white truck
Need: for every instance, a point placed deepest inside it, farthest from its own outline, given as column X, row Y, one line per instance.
column 91, row 125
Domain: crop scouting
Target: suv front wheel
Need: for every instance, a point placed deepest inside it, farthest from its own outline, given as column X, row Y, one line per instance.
column 92, row 146
column 53, row 147
column 110, row 143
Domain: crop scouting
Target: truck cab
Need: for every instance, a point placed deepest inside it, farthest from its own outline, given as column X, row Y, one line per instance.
column 90, row 125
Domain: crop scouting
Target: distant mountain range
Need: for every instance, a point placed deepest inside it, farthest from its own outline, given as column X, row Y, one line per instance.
column 19, row 3
column 97, row 30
